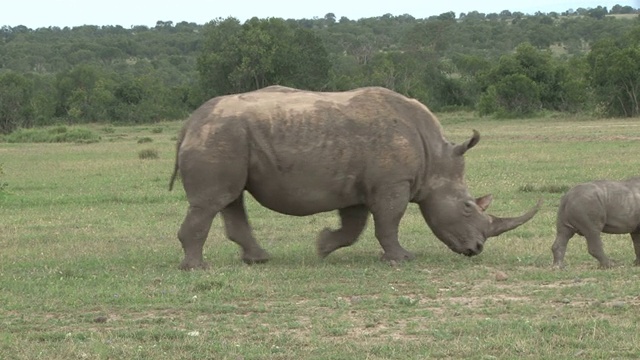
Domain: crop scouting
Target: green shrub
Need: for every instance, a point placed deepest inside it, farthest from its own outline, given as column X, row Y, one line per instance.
column 145, row 140
column 552, row 189
column 109, row 129
column 29, row 136
column 148, row 154
column 77, row 135
column 57, row 134
column 157, row 130
column 58, row 130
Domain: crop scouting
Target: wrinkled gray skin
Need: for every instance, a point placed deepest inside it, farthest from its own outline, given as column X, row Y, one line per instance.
column 611, row 207
column 361, row 152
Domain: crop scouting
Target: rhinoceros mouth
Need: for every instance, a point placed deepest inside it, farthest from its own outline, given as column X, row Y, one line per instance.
column 473, row 252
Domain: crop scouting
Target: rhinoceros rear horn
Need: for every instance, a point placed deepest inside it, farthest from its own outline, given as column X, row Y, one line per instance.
column 500, row 225
column 462, row 148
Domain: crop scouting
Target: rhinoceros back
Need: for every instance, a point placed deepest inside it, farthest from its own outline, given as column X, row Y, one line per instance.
column 314, row 151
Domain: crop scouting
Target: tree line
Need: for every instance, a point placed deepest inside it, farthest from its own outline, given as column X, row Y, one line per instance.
column 506, row 64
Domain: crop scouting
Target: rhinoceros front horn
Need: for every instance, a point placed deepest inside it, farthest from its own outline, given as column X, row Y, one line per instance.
column 500, row 225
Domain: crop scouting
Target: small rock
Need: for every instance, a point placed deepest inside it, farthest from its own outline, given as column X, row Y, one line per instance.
column 100, row 319
column 565, row 301
column 501, row 276
column 618, row 304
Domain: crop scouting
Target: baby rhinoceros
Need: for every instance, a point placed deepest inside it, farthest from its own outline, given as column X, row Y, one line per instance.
column 588, row 209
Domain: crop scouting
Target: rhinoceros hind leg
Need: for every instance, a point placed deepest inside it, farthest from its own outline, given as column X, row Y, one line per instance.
column 559, row 247
column 388, row 209
column 239, row 231
column 353, row 220
column 636, row 246
column 192, row 235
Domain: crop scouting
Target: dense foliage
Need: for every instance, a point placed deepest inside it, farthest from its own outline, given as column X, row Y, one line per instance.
column 506, row 64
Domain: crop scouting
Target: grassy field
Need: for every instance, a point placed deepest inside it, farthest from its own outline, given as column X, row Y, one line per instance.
column 89, row 256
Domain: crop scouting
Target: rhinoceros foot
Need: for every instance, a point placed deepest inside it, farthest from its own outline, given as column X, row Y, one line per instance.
column 327, row 243
column 606, row 264
column 396, row 256
column 257, row 256
column 189, row 264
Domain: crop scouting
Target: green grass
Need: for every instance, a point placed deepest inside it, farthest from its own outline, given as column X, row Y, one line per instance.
column 89, row 256
column 148, row 154
column 58, row 134
column 144, row 140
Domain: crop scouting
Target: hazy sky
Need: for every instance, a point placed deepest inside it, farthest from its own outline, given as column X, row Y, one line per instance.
column 45, row 13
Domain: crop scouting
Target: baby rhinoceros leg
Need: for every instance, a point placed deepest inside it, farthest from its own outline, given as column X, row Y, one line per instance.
column 636, row 246
column 594, row 245
column 559, row 248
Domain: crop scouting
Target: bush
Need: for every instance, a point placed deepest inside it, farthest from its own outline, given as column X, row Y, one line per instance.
column 145, row 140
column 77, row 135
column 512, row 97
column 108, row 129
column 157, row 130
column 57, row 134
column 148, row 154
column 552, row 189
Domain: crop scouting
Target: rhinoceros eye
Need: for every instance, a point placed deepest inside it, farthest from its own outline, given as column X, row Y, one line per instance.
column 469, row 207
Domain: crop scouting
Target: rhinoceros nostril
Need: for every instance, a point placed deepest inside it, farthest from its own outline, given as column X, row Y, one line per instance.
column 473, row 251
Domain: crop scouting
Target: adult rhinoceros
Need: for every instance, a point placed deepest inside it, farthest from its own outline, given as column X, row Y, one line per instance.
column 297, row 152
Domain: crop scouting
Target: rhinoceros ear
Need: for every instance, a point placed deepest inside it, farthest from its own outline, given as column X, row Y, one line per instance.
column 484, row 202
column 462, row 148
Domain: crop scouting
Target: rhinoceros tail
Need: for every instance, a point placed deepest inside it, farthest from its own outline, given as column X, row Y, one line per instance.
column 176, row 166
column 173, row 176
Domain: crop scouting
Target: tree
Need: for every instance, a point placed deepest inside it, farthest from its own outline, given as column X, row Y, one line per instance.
column 615, row 75
column 434, row 34
column 219, row 56
column 84, row 94
column 43, row 98
column 521, row 83
column 515, row 95
column 15, row 106
column 330, row 18
column 261, row 53
column 598, row 13
column 505, row 14
column 618, row 9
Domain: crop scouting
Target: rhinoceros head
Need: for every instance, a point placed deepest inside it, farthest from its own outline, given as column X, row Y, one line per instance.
column 458, row 219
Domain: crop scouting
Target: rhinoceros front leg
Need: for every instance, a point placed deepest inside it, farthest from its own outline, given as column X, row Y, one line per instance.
column 239, row 231
column 353, row 220
column 635, row 237
column 388, row 208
